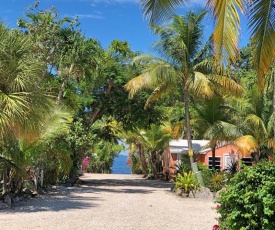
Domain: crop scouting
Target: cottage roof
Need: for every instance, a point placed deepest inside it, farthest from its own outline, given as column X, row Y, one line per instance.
column 181, row 146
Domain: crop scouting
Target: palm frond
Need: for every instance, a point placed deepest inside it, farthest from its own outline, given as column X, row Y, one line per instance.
column 159, row 10
column 246, row 145
column 262, row 21
column 222, row 131
column 201, row 86
column 227, row 85
column 140, row 82
column 226, row 34
column 162, row 89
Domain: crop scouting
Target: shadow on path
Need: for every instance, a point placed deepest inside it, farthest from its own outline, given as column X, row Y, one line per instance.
column 126, row 182
column 88, row 195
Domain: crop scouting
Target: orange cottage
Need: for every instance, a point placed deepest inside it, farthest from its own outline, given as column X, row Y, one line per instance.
column 225, row 154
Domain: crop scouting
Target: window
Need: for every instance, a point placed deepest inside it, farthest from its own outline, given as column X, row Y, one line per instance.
column 247, row 161
column 217, row 163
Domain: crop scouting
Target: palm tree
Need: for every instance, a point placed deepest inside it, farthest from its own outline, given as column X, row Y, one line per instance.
column 154, row 141
column 23, row 104
column 180, row 43
column 253, row 114
column 227, row 26
column 211, row 120
column 134, row 140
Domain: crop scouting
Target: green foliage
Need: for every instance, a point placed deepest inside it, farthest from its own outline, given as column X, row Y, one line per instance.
column 248, row 201
column 214, row 180
column 183, row 165
column 103, row 156
column 135, row 164
column 187, row 181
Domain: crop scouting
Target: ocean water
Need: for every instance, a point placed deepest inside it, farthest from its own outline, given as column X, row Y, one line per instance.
column 120, row 166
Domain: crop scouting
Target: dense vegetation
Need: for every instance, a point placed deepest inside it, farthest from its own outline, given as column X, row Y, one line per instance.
column 64, row 97
column 248, row 201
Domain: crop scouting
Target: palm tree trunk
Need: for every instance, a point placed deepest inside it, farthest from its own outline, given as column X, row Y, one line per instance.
column 5, row 179
column 188, row 126
column 142, row 159
column 153, row 162
column 213, row 158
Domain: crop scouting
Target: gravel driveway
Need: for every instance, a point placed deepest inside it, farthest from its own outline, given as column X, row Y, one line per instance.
column 111, row 202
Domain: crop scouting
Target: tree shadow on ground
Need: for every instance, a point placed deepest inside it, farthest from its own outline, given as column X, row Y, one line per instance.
column 128, row 182
column 58, row 200
column 68, row 198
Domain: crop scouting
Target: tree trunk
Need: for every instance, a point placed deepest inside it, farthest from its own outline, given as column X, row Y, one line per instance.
column 36, row 175
column 42, row 178
column 60, row 93
column 256, row 157
column 5, row 179
column 188, row 126
column 64, row 83
column 154, row 167
column 213, row 158
column 142, row 159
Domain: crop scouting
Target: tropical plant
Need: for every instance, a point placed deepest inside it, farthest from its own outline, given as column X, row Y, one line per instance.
column 137, row 151
column 24, row 105
column 187, row 181
column 227, row 27
column 211, row 121
column 253, row 115
column 248, row 200
column 185, row 65
column 180, row 46
column 155, row 141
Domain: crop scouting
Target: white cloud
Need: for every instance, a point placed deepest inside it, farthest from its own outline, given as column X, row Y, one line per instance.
column 90, row 16
column 95, row 14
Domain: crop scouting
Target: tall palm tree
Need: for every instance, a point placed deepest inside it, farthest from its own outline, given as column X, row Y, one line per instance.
column 226, row 15
column 181, row 46
column 180, row 43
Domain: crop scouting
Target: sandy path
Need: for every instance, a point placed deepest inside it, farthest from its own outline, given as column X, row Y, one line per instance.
column 111, row 202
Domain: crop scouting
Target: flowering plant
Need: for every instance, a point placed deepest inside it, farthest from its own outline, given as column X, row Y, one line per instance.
column 215, row 227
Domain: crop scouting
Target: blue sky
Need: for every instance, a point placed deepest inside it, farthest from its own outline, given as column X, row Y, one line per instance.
column 105, row 20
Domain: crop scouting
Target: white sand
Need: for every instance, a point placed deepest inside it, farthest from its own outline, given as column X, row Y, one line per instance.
column 111, row 202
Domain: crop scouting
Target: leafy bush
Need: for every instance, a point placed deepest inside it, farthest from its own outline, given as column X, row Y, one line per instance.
column 187, row 182
column 248, row 201
column 214, row 180
column 217, row 181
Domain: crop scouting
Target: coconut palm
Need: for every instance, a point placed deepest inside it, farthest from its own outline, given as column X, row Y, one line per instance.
column 184, row 64
column 133, row 140
column 155, row 141
column 227, row 26
column 254, row 115
column 210, row 120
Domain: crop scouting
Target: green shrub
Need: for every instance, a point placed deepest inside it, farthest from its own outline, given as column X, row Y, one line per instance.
column 187, row 182
column 214, row 180
column 248, row 201
column 217, row 181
